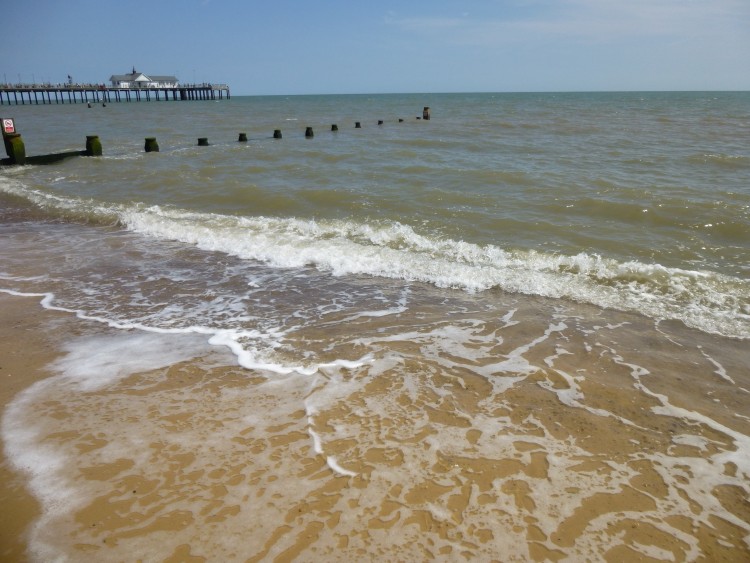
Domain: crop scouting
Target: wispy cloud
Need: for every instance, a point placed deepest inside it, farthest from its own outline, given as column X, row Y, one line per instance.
column 651, row 17
column 588, row 20
column 426, row 23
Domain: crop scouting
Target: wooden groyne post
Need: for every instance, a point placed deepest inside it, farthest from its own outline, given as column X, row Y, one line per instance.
column 93, row 145
column 150, row 145
column 16, row 150
column 14, row 147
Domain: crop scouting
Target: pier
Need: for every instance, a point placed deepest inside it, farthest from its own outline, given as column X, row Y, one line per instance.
column 22, row 94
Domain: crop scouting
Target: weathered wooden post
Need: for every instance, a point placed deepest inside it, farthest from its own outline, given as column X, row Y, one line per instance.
column 243, row 138
column 357, row 125
column 93, row 145
column 151, row 145
column 426, row 113
column 334, row 127
column 202, row 141
column 309, row 133
column 380, row 122
column 14, row 147
column 277, row 133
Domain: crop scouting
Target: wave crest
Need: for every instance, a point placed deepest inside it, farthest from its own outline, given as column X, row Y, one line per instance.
column 705, row 300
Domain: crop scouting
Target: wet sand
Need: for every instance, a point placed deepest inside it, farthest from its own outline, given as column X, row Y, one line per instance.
column 201, row 460
column 27, row 346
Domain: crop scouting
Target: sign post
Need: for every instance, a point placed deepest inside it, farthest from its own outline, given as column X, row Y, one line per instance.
column 9, row 125
column 13, row 142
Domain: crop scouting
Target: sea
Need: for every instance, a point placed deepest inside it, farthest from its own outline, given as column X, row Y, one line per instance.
column 518, row 330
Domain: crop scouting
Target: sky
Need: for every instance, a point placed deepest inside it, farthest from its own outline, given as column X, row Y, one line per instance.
column 366, row 46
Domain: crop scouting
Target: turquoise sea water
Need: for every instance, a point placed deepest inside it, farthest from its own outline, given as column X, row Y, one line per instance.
column 545, row 239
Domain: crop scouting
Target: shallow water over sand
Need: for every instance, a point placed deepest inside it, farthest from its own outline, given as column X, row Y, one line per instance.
column 509, row 427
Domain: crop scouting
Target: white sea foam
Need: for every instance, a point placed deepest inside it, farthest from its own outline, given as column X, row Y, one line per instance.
column 709, row 301
column 704, row 300
column 720, row 370
column 97, row 361
column 336, row 468
column 27, row 451
column 90, row 364
column 317, row 444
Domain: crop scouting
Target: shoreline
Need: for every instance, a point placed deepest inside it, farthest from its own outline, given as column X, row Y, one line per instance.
column 28, row 345
column 187, row 460
column 264, row 352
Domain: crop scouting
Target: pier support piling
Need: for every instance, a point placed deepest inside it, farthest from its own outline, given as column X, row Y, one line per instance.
column 202, row 141
column 426, row 113
column 277, row 133
column 242, row 138
column 309, row 133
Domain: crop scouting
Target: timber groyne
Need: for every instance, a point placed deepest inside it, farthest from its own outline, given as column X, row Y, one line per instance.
column 22, row 94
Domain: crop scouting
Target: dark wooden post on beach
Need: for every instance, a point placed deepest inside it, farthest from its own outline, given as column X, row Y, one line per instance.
column 202, row 141
column 426, row 113
column 357, row 125
column 151, row 145
column 242, row 138
column 309, row 133
column 380, row 122
column 334, row 127
column 93, row 145
column 14, row 147
column 277, row 133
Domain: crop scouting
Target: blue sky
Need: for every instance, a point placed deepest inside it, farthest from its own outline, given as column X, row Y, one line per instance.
column 364, row 46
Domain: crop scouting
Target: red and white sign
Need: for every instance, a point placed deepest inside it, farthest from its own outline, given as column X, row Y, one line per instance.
column 8, row 126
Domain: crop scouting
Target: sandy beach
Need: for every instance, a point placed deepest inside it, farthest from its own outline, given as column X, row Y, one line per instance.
column 172, row 464
column 27, row 345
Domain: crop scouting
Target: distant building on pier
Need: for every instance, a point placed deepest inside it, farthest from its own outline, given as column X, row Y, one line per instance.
column 134, row 86
column 139, row 80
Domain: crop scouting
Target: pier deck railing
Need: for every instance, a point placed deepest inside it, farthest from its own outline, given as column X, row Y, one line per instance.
column 21, row 94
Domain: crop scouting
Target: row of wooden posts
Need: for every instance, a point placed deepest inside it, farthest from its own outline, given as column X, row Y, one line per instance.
column 152, row 146
column 16, row 150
